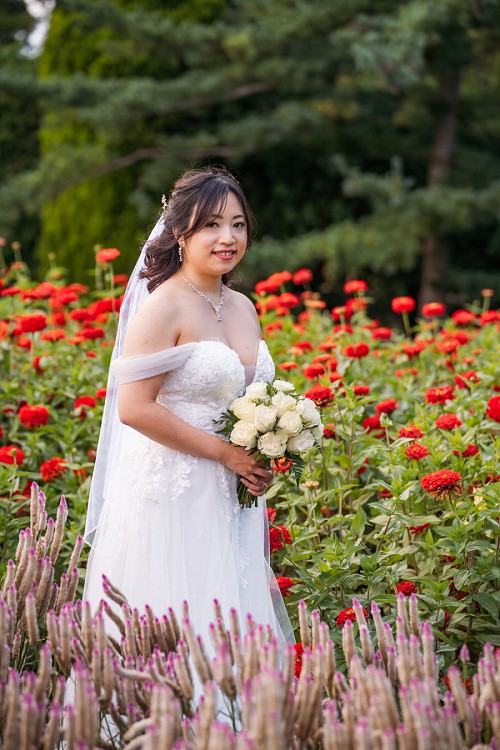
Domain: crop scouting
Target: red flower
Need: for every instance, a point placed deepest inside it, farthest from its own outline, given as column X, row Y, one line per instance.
column 314, row 371
column 467, row 681
column 489, row 316
column 288, row 366
column 493, row 408
column 285, row 584
column 387, row 406
column 463, row 317
column 108, row 255
column 439, row 395
column 418, row 529
column 412, row 431
column 271, row 514
column 416, row 451
column 413, row 349
column 302, row 276
column 287, row 299
column 278, row 535
column 266, row 287
column 10, row 454
column 93, row 333
column 433, row 309
column 403, row 304
column 329, row 431
column 361, row 390
column 31, row 323
column 299, row 650
column 381, row 333
column 448, row 422
column 322, row 395
column 347, row 614
column 303, row 346
column 357, row 351
column 82, row 401
column 53, row 468
column 406, row 588
column 460, row 380
column 33, row 416
column 442, row 482
column 372, row 423
column 101, row 393
column 56, row 334
column 355, row 286
column 471, row 450
column 406, row 371
column 281, row 466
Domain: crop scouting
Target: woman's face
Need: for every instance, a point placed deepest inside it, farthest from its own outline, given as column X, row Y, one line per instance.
column 218, row 246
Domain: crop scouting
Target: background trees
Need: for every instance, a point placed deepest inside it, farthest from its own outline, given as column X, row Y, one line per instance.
column 366, row 132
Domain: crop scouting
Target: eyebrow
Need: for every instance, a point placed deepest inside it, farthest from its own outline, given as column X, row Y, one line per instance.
column 219, row 216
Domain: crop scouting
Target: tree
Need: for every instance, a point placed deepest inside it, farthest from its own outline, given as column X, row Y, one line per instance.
column 358, row 127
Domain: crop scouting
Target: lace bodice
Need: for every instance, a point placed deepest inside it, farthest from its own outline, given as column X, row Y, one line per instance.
column 200, row 389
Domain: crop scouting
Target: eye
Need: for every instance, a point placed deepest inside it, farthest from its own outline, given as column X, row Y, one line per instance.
column 212, row 224
column 240, row 225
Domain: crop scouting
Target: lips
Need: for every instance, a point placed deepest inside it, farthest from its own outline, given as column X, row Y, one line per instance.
column 225, row 253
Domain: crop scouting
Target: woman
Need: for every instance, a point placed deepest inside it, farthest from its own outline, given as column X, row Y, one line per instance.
column 164, row 518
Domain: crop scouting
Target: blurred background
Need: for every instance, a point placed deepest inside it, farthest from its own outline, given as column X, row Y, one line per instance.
column 366, row 133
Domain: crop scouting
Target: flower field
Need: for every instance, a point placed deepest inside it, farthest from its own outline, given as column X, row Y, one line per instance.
column 402, row 495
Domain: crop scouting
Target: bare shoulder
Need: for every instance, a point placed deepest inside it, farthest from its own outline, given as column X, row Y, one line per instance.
column 244, row 305
column 157, row 324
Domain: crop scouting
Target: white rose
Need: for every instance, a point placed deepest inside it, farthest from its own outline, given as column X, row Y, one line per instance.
column 265, row 418
column 272, row 444
column 309, row 412
column 290, row 423
column 256, row 391
column 301, row 443
column 317, row 431
column 245, row 434
column 283, row 403
column 244, row 408
column 283, row 385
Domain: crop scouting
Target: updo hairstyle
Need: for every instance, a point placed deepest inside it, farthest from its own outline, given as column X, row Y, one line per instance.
column 196, row 197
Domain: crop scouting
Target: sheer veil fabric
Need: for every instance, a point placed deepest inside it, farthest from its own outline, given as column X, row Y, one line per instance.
column 165, row 526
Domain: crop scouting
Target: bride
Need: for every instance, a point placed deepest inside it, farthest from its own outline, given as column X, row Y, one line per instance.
column 164, row 519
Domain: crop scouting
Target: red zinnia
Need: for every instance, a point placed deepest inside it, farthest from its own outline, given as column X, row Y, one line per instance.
column 53, row 468
column 108, row 255
column 329, row 431
column 81, row 402
column 302, row 276
column 347, row 614
column 463, row 317
column 284, row 584
column 471, row 450
column 372, row 423
column 433, row 309
column 439, row 395
column 416, row 451
column 403, row 304
column 361, row 390
column 278, row 535
column 322, row 395
column 460, row 380
column 442, row 482
column 357, row 351
column 287, row 299
column 418, row 529
column 493, row 408
column 448, row 422
column 93, row 333
column 387, row 406
column 33, row 416
column 288, row 366
column 406, row 588
column 314, row 371
column 355, row 286
column 55, row 334
column 412, row 431
column 299, row 650
column 31, row 323
column 381, row 333
column 10, row 454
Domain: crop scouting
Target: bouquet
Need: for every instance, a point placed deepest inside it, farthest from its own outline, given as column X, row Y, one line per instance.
column 270, row 419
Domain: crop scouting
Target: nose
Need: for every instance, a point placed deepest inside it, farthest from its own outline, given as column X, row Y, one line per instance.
column 226, row 234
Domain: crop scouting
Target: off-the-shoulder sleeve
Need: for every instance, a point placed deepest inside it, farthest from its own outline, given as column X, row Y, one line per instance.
column 141, row 366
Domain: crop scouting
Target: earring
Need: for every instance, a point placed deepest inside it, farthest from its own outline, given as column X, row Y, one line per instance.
column 180, row 253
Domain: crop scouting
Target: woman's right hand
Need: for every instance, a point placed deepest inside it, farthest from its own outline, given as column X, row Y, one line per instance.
column 254, row 476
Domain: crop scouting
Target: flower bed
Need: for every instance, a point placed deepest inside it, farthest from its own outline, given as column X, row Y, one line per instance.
column 403, row 494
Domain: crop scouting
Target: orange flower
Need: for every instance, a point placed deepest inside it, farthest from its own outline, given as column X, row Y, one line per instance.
column 403, row 304
column 108, row 255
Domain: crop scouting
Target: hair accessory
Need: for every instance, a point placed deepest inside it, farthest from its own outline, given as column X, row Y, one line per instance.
column 164, row 201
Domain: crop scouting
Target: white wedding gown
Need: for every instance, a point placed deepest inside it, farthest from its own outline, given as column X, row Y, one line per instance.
column 171, row 528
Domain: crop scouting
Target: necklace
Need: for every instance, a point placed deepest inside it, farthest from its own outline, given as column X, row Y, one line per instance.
column 215, row 308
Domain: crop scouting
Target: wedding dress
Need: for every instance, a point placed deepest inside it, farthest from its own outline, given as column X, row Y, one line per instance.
column 171, row 528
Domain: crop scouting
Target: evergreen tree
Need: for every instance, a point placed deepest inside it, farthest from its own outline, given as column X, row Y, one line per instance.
column 365, row 131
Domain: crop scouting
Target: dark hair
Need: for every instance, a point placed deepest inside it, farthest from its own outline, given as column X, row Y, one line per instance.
column 195, row 197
